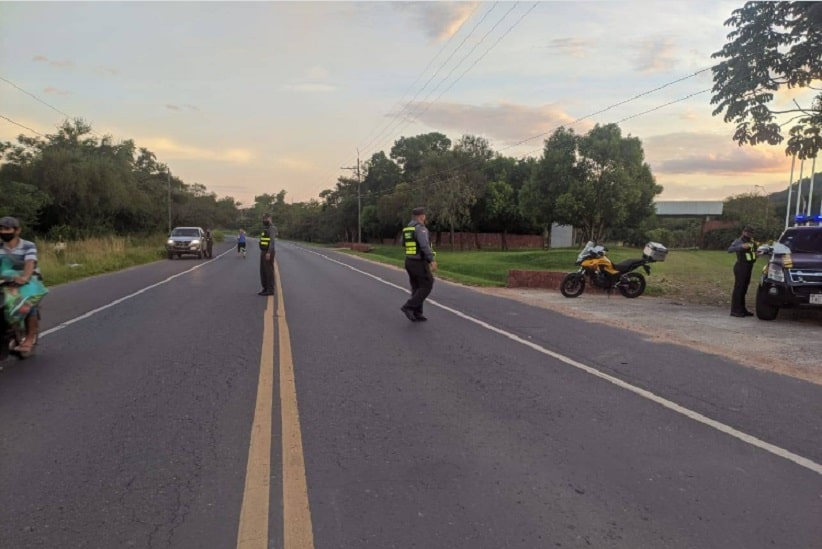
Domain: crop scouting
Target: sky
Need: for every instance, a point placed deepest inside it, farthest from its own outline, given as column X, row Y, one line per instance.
column 248, row 98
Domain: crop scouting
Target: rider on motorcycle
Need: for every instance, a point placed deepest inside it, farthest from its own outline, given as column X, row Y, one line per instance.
column 21, row 256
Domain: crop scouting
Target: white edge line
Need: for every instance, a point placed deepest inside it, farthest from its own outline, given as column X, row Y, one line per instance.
column 696, row 416
column 125, row 298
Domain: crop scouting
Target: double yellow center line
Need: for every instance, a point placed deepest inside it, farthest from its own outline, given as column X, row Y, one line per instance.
column 254, row 513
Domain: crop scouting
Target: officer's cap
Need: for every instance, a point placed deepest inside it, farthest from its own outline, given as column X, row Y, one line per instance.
column 9, row 222
column 418, row 211
column 748, row 229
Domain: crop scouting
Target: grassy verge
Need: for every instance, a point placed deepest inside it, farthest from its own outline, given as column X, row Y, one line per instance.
column 85, row 258
column 693, row 276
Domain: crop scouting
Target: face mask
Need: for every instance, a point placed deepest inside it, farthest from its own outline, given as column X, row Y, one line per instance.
column 7, row 237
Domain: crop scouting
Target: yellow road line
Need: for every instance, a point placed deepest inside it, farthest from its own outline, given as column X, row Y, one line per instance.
column 253, row 529
column 297, row 529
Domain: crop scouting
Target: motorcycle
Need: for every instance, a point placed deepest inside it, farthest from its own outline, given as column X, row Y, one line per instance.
column 595, row 268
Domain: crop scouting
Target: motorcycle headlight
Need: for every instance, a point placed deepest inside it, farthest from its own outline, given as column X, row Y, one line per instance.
column 775, row 272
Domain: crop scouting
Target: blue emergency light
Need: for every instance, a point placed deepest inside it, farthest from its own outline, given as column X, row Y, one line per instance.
column 801, row 218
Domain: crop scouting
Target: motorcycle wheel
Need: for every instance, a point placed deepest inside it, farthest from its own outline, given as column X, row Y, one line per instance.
column 632, row 285
column 572, row 285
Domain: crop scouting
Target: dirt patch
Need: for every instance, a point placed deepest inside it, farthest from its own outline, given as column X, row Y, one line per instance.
column 789, row 345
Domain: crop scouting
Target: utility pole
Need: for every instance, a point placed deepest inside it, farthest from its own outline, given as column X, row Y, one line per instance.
column 359, row 197
column 790, row 188
column 168, row 179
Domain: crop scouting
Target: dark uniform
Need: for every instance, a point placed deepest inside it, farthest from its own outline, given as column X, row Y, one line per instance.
column 267, row 257
column 209, row 238
column 745, row 249
column 418, row 259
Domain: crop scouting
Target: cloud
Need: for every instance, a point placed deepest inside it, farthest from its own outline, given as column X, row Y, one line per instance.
column 505, row 122
column 439, row 20
column 655, row 55
column 309, row 87
column 54, row 91
column 178, row 108
column 314, row 79
column 294, row 164
column 59, row 64
column 170, row 148
column 691, row 153
column 569, row 47
column 107, row 71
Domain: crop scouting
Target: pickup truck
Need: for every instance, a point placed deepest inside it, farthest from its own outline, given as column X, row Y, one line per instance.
column 186, row 240
column 793, row 275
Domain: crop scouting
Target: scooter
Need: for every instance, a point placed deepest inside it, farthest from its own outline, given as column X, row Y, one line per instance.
column 599, row 271
column 13, row 334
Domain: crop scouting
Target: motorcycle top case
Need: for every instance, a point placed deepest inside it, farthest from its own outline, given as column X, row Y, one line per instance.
column 655, row 251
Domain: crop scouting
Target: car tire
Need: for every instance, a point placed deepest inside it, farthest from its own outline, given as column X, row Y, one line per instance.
column 764, row 310
column 170, row 255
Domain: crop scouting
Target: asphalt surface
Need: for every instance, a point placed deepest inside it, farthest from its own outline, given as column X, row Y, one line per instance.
column 494, row 424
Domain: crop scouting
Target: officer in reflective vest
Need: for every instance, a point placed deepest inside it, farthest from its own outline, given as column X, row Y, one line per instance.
column 745, row 249
column 420, row 262
column 267, row 256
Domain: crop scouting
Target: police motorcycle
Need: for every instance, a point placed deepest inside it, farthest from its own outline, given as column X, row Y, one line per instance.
column 596, row 269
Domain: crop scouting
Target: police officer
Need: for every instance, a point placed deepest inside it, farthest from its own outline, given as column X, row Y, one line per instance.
column 209, row 241
column 745, row 249
column 420, row 261
column 267, row 256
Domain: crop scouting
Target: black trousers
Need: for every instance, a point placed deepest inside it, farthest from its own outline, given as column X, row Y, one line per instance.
column 742, row 279
column 422, row 281
column 267, row 272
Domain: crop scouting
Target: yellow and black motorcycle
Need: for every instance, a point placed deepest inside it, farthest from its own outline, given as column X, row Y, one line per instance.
column 595, row 268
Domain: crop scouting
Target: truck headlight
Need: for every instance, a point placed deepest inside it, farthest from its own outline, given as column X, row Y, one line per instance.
column 775, row 272
column 170, row 242
column 195, row 242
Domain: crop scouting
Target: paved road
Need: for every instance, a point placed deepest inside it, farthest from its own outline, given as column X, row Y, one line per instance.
column 170, row 406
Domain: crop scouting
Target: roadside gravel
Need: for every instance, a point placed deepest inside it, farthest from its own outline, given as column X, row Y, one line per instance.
column 789, row 345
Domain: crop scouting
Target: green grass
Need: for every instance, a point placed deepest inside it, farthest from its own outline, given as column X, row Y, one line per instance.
column 693, row 276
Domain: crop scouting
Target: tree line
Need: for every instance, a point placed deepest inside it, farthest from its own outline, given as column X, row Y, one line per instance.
column 73, row 184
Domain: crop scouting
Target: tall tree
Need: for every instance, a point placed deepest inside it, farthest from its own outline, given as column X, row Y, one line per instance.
column 775, row 47
column 616, row 189
column 410, row 152
column 553, row 174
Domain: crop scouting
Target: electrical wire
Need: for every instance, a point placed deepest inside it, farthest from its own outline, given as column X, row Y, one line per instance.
column 461, row 61
column 21, row 125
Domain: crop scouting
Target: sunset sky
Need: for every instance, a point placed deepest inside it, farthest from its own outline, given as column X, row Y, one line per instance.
column 254, row 97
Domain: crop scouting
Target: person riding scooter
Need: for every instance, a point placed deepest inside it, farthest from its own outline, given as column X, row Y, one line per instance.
column 18, row 263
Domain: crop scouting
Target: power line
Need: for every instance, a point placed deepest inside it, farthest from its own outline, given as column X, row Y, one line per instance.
column 480, row 58
column 394, row 119
column 613, row 106
column 21, row 125
column 464, row 58
column 52, row 107
column 431, row 62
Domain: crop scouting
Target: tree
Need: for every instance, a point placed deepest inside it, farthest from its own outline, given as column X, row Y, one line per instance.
column 776, row 46
column 409, row 152
column 616, row 189
column 552, row 175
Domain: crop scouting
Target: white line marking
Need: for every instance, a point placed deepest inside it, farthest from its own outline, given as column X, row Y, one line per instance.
column 696, row 416
column 125, row 298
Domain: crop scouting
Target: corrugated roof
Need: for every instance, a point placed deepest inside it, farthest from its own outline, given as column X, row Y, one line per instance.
column 689, row 207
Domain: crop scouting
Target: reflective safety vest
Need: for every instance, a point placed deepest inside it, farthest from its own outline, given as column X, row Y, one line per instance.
column 749, row 255
column 409, row 240
column 265, row 239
